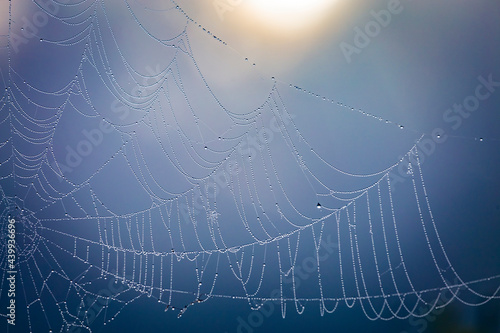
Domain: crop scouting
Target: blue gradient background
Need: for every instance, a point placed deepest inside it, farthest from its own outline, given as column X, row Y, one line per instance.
column 427, row 59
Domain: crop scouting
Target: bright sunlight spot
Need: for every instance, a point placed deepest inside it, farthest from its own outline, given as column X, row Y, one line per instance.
column 289, row 14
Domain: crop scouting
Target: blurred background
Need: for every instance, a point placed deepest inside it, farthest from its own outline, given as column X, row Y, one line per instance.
column 112, row 110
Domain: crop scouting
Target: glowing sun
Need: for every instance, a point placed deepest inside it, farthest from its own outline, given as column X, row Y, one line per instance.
column 288, row 14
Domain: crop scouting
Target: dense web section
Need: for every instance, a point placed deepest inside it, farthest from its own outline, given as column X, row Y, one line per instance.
column 122, row 185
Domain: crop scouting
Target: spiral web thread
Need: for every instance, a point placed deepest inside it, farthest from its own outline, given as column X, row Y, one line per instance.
column 72, row 244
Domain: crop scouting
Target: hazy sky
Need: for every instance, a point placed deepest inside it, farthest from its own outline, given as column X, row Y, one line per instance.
column 143, row 139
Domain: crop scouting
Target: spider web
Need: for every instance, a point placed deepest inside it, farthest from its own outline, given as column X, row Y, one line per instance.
column 123, row 186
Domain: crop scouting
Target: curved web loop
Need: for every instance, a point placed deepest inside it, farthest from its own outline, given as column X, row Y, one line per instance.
column 122, row 186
